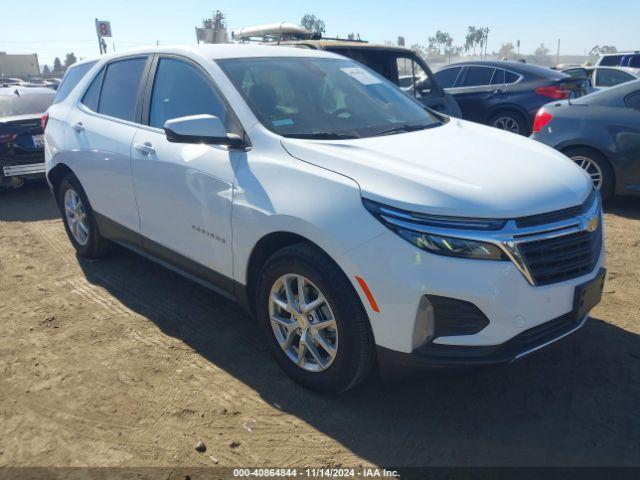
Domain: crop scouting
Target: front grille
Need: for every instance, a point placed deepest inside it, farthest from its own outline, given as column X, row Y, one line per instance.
column 562, row 258
column 558, row 215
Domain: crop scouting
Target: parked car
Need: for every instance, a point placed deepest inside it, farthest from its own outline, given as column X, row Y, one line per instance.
column 620, row 59
column 601, row 133
column 348, row 218
column 605, row 77
column 506, row 95
column 8, row 81
column 21, row 134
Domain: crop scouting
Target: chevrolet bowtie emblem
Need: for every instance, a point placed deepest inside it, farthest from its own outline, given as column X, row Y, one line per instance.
column 592, row 224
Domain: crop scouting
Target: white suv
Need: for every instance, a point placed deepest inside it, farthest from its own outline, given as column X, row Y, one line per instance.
column 354, row 223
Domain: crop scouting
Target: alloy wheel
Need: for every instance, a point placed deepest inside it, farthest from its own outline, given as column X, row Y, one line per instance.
column 507, row 123
column 76, row 217
column 303, row 322
column 592, row 168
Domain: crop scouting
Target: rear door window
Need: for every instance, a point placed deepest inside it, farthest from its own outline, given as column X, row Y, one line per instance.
column 477, row 77
column 70, row 80
column 634, row 61
column 510, row 77
column 120, row 87
column 447, row 78
column 498, row 77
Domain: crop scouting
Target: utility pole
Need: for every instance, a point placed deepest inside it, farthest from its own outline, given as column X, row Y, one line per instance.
column 558, row 54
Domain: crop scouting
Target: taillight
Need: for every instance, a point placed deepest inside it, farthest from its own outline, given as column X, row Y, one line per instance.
column 542, row 119
column 8, row 137
column 44, row 119
column 553, row 91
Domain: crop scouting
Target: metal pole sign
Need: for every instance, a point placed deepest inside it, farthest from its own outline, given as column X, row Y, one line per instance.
column 103, row 29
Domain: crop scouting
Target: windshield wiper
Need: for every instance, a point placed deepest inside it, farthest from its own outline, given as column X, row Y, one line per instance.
column 401, row 128
column 321, row 136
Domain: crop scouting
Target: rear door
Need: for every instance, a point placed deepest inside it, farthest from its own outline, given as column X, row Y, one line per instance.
column 475, row 93
column 184, row 191
column 101, row 130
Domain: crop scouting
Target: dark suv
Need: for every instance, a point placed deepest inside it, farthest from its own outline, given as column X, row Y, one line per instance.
column 394, row 63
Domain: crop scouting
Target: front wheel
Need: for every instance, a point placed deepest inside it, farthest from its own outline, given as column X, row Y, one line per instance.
column 316, row 327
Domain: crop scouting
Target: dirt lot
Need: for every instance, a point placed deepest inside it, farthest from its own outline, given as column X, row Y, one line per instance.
column 120, row 362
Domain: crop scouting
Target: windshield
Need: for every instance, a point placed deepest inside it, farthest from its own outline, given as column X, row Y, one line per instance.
column 324, row 98
column 12, row 104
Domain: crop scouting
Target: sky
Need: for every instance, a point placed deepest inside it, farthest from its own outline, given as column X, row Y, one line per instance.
column 53, row 28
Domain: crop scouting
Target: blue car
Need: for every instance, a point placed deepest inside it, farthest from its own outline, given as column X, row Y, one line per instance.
column 506, row 95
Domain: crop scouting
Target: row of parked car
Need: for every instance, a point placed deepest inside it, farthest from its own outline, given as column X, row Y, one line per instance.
column 49, row 82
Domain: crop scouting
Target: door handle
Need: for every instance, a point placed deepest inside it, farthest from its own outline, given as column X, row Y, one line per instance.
column 145, row 148
column 496, row 91
column 78, row 127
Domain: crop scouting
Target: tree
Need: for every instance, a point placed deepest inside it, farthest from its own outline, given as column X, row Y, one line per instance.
column 507, row 50
column 46, row 71
column 542, row 51
column 69, row 60
column 57, row 66
column 476, row 37
column 440, row 43
column 312, row 23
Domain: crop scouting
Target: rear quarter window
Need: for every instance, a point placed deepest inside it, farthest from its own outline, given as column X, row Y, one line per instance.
column 71, row 79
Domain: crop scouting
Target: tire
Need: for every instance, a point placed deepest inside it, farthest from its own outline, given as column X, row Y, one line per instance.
column 511, row 121
column 94, row 245
column 352, row 336
column 597, row 166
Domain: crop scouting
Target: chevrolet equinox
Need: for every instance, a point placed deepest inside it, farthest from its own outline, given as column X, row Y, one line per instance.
column 356, row 225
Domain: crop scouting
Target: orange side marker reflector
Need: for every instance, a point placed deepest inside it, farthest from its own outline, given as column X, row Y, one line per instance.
column 368, row 294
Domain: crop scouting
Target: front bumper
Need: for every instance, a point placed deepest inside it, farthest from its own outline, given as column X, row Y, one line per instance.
column 520, row 346
column 400, row 276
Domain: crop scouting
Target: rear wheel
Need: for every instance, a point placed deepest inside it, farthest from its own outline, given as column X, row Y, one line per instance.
column 316, row 327
column 79, row 219
column 511, row 121
column 596, row 166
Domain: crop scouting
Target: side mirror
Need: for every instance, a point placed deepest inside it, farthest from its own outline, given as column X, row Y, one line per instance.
column 200, row 129
column 423, row 85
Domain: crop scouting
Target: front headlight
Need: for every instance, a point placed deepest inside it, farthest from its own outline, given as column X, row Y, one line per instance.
column 414, row 228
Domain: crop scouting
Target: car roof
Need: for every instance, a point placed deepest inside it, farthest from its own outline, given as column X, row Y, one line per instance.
column 352, row 44
column 221, row 51
column 518, row 67
column 629, row 52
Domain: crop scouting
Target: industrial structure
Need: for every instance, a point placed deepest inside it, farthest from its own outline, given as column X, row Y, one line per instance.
column 213, row 30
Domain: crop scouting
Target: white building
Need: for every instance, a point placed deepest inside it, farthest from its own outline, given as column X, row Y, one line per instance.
column 22, row 66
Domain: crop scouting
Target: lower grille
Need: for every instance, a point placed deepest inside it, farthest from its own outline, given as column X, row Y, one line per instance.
column 562, row 258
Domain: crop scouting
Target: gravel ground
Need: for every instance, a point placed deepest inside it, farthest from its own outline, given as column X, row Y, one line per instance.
column 119, row 362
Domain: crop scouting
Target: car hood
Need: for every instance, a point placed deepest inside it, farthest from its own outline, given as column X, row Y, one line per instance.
column 459, row 168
